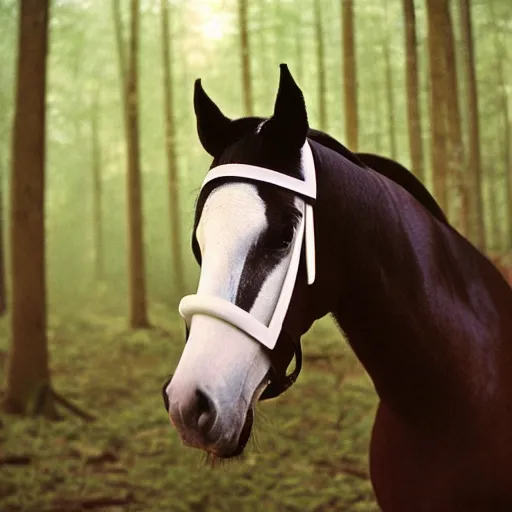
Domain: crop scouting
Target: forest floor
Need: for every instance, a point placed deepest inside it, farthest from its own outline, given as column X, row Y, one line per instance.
column 310, row 451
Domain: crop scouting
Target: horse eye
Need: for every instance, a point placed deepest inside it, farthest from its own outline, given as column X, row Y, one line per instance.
column 287, row 234
column 282, row 237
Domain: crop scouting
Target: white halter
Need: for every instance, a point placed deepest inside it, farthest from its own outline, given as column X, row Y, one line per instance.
column 224, row 310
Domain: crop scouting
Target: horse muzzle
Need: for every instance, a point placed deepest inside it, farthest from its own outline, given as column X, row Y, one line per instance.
column 202, row 423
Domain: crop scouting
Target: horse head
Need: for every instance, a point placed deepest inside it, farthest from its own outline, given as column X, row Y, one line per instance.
column 245, row 322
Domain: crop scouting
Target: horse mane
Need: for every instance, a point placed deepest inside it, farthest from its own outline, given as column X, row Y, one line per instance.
column 385, row 167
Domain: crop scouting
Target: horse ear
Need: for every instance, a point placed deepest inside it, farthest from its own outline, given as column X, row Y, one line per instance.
column 289, row 124
column 213, row 127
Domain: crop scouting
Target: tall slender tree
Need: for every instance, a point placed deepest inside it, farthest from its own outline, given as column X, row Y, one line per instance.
column 99, row 266
column 3, row 292
column 446, row 141
column 474, row 161
column 138, row 317
column 456, row 156
column 28, row 374
column 3, row 181
column 349, row 74
column 172, row 163
column 386, row 50
column 245, row 57
column 320, row 59
column 505, row 129
column 138, row 306
column 437, row 110
column 412, row 86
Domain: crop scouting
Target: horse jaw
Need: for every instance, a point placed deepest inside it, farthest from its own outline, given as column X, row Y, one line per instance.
column 224, row 363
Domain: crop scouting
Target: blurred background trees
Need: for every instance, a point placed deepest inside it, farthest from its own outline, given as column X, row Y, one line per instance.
column 369, row 71
column 424, row 82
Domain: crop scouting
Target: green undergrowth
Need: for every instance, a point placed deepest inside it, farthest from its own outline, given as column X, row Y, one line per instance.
column 309, row 451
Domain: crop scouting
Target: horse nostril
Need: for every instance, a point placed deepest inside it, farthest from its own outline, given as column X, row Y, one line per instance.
column 206, row 412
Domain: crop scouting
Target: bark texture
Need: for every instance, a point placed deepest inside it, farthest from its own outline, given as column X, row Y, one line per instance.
column 28, row 372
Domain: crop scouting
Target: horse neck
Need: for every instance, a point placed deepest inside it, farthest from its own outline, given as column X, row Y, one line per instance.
column 390, row 287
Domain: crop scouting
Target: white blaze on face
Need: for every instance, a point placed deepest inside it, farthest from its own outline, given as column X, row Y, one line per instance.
column 232, row 219
column 218, row 358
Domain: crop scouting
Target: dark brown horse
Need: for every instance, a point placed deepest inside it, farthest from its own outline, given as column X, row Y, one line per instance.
column 428, row 316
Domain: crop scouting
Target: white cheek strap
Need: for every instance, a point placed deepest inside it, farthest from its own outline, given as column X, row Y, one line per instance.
column 227, row 311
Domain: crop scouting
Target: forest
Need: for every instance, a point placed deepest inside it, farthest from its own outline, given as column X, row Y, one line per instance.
column 100, row 167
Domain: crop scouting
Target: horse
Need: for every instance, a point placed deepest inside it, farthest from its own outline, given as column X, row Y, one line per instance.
column 427, row 314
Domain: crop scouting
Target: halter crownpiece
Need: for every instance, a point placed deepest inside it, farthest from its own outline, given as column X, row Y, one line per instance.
column 224, row 310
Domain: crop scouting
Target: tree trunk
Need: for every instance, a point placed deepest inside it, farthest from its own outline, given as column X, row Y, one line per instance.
column 138, row 306
column 138, row 317
column 3, row 213
column 99, row 267
column 501, row 57
column 412, row 85
column 456, row 157
column 3, row 293
column 390, row 97
column 474, row 160
column 349, row 74
column 437, row 109
column 172, row 164
column 28, row 372
column 245, row 54
column 320, row 59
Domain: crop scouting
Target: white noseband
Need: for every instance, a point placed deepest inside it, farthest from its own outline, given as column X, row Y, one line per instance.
column 224, row 310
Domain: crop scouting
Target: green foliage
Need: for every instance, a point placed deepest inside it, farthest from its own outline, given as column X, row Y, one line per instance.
column 308, row 453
